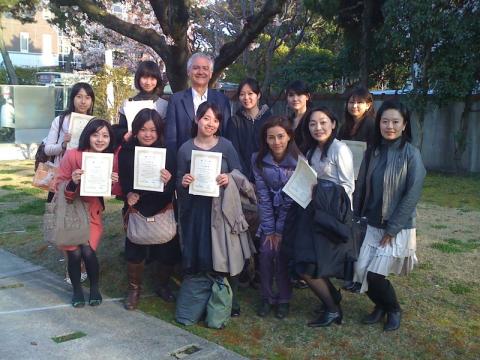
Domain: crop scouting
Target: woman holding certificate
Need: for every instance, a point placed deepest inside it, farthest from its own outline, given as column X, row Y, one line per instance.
column 203, row 166
column 141, row 195
column 96, row 138
column 148, row 81
column 322, row 230
column 358, row 129
column 389, row 186
column 272, row 167
column 81, row 101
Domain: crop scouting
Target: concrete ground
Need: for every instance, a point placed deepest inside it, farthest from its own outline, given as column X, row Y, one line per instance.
column 35, row 308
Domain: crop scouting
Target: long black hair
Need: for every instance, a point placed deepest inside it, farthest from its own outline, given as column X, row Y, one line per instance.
column 264, row 149
column 359, row 93
column 144, row 116
column 309, row 143
column 149, row 69
column 93, row 126
column 404, row 112
column 299, row 87
column 71, row 98
column 202, row 109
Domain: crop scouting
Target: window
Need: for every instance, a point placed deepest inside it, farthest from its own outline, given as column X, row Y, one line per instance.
column 24, row 42
column 47, row 44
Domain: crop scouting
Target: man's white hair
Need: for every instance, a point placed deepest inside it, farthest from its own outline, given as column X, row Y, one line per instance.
column 196, row 56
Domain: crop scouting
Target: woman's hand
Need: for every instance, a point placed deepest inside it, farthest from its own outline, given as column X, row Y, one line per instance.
column 222, row 180
column 114, row 177
column 76, row 176
column 127, row 136
column 273, row 240
column 187, row 180
column 67, row 137
column 386, row 240
column 165, row 176
column 132, row 198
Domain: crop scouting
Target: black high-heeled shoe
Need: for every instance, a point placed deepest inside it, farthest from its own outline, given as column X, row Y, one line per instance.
column 327, row 319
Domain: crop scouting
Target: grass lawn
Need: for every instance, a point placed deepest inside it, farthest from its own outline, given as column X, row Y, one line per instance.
column 440, row 299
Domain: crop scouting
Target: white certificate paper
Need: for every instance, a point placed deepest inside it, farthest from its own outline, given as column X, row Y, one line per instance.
column 299, row 186
column 97, row 177
column 132, row 108
column 358, row 151
column 148, row 163
column 75, row 128
column 205, row 167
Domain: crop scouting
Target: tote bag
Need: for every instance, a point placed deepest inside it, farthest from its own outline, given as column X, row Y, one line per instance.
column 64, row 223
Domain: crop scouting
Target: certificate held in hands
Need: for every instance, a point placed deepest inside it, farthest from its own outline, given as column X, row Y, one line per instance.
column 132, row 108
column 97, row 176
column 148, row 163
column 205, row 167
column 299, row 186
column 75, row 128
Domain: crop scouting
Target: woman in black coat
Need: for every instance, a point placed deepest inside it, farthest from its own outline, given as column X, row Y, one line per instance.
column 322, row 230
column 147, row 131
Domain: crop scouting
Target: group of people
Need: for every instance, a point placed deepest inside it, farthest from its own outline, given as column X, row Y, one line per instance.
column 260, row 152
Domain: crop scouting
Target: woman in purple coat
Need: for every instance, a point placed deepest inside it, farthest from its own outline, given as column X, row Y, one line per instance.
column 272, row 167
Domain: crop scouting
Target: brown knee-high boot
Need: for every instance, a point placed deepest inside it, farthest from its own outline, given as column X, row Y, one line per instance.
column 135, row 276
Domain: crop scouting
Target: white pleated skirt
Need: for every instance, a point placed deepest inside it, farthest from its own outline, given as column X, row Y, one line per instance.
column 397, row 258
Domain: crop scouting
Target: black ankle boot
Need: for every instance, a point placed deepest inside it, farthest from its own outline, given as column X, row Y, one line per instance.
column 374, row 317
column 393, row 321
column 327, row 318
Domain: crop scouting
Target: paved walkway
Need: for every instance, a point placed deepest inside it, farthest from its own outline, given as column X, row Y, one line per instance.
column 34, row 308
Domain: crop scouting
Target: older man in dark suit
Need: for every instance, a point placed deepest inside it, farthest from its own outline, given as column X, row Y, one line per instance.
column 183, row 104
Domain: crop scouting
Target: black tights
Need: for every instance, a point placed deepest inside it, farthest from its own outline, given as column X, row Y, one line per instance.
column 325, row 291
column 382, row 293
column 89, row 257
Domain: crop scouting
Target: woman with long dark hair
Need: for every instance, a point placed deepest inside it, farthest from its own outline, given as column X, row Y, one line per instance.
column 147, row 131
column 81, row 100
column 299, row 101
column 359, row 115
column 98, row 137
column 321, row 231
column 389, row 186
column 272, row 167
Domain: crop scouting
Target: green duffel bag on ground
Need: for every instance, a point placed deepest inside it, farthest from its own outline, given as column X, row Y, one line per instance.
column 192, row 299
column 219, row 305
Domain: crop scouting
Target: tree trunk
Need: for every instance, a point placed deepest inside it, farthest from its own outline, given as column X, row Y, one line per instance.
column 12, row 76
column 365, row 41
column 461, row 135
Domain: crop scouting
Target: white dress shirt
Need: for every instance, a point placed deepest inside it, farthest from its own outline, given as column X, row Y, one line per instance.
column 198, row 99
